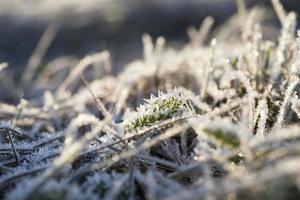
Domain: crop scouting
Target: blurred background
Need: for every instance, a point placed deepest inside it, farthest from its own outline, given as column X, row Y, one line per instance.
column 77, row 27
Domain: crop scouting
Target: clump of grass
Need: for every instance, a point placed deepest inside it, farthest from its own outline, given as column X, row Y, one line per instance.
column 164, row 106
column 229, row 131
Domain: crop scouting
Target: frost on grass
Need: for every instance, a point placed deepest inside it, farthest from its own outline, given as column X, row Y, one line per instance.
column 52, row 190
column 218, row 121
column 164, row 106
column 221, row 133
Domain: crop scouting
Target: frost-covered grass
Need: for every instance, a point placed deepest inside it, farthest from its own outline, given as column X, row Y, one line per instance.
column 216, row 121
